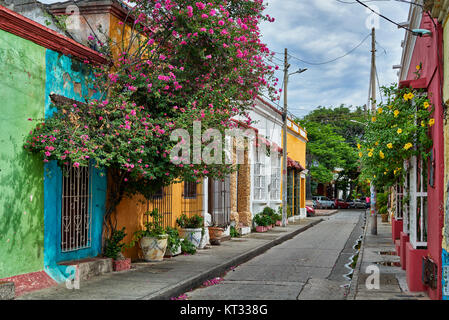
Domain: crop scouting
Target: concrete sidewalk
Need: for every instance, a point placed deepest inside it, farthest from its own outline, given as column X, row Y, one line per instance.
column 173, row 277
column 379, row 251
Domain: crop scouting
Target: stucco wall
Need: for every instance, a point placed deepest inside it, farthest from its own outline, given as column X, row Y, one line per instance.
column 22, row 83
column 68, row 78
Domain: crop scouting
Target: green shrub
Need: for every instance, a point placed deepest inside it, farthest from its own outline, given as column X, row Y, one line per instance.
column 193, row 222
column 114, row 246
column 188, row 247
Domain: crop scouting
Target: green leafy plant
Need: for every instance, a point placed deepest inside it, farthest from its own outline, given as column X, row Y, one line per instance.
column 398, row 131
column 234, row 233
column 194, row 222
column 114, row 245
column 188, row 247
column 153, row 229
column 173, row 240
column 262, row 220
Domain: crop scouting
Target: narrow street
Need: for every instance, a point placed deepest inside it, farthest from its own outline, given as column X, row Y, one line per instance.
column 309, row 266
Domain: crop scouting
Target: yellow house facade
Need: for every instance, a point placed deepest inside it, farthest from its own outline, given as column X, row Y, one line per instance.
column 296, row 169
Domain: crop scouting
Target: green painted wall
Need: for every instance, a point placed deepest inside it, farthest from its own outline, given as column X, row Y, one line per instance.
column 22, row 87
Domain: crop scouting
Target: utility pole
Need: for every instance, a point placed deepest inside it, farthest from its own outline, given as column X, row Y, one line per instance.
column 373, row 211
column 284, row 143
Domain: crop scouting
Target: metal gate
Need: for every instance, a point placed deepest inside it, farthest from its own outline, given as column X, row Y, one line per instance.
column 162, row 201
column 192, row 198
column 219, row 201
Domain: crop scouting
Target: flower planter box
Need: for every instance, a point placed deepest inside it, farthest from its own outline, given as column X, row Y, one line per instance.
column 121, row 265
column 261, row 229
column 278, row 223
column 153, row 248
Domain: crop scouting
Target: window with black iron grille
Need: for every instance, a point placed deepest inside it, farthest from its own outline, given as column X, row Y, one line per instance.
column 75, row 209
column 190, row 190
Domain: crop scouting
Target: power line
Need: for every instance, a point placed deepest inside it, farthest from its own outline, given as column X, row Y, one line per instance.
column 384, row 17
column 333, row 60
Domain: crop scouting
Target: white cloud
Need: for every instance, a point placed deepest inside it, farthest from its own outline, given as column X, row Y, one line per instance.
column 321, row 30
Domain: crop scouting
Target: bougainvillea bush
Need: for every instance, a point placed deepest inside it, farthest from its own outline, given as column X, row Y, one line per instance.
column 398, row 131
column 181, row 61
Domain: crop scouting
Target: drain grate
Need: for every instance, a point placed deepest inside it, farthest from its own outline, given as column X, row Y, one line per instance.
column 389, row 263
column 387, row 253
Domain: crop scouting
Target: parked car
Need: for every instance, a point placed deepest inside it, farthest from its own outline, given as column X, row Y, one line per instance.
column 310, row 211
column 350, row 203
column 324, row 202
column 341, row 204
column 359, row 204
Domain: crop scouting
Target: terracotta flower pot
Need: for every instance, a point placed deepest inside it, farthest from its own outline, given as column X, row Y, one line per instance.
column 215, row 233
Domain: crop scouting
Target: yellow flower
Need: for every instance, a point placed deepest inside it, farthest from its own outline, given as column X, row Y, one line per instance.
column 431, row 122
column 380, row 110
column 390, row 107
column 418, row 67
column 423, row 124
column 406, row 97
column 396, row 113
column 377, row 143
column 359, row 146
column 373, row 119
column 426, row 105
column 408, row 146
column 382, row 155
column 385, row 173
column 411, row 96
column 360, row 154
column 390, row 146
column 370, row 154
column 399, row 131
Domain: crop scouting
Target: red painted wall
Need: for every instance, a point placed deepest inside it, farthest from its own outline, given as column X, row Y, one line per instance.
column 426, row 52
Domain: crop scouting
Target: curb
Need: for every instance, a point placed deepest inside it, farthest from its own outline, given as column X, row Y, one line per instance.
column 355, row 275
column 198, row 280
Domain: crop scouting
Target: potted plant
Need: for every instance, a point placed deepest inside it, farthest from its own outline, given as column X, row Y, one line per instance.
column 215, row 234
column 113, row 249
column 261, row 222
column 152, row 240
column 173, row 242
column 269, row 212
column 192, row 229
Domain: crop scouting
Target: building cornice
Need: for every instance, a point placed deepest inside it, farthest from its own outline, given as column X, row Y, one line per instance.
column 25, row 28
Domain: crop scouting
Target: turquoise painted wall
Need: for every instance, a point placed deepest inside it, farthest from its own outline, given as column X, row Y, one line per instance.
column 67, row 77
column 22, row 83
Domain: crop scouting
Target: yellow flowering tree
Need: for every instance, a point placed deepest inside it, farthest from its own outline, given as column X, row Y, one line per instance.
column 399, row 130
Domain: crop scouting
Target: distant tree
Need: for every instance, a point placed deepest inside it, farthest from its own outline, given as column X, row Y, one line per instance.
column 333, row 136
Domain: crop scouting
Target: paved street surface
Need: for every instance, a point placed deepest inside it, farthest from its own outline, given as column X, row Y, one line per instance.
column 309, row 266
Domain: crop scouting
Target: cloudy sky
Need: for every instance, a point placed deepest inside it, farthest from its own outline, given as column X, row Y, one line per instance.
column 321, row 30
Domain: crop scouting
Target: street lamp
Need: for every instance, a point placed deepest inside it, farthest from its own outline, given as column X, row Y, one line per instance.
column 284, row 142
